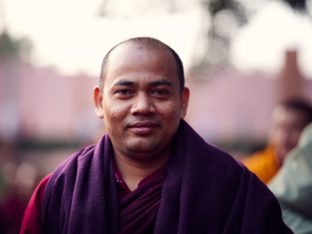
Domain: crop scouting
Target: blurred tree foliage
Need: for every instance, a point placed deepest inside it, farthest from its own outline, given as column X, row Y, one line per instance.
column 13, row 48
column 300, row 5
column 226, row 17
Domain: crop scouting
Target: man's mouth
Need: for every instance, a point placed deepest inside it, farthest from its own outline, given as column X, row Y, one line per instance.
column 143, row 127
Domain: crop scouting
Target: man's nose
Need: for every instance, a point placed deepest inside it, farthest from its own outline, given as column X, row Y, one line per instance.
column 143, row 104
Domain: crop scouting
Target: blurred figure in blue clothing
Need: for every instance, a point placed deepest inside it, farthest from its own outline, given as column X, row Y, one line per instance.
column 293, row 185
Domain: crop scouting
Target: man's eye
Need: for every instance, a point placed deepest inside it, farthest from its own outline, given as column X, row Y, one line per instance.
column 161, row 92
column 123, row 92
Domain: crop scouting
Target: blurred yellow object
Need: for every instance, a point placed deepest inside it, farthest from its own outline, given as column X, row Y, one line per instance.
column 263, row 163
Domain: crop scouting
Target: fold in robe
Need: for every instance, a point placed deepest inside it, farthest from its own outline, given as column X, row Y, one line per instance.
column 138, row 209
column 205, row 191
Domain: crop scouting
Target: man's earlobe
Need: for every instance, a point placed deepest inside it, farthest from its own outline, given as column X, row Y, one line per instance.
column 184, row 101
column 99, row 113
column 98, row 102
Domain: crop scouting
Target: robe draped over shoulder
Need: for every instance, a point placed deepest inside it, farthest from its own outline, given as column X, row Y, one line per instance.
column 205, row 191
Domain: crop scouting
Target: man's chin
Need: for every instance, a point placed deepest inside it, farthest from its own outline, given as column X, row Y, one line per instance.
column 143, row 148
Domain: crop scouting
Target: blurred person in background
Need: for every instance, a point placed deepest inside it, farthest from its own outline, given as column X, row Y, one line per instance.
column 18, row 185
column 292, row 185
column 289, row 118
column 151, row 172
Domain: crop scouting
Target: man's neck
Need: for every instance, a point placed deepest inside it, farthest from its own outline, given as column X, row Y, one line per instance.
column 134, row 171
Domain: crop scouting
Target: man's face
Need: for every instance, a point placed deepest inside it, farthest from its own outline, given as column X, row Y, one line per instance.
column 141, row 103
column 287, row 126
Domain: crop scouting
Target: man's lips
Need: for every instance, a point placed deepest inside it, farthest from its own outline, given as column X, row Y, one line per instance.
column 143, row 128
column 147, row 124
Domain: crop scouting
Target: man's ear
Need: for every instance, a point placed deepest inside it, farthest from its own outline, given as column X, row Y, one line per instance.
column 98, row 101
column 185, row 95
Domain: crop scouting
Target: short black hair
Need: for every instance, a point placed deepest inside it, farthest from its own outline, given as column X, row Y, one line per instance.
column 145, row 41
column 298, row 104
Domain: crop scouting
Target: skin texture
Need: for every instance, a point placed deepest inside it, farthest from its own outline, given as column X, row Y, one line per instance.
column 141, row 105
column 287, row 125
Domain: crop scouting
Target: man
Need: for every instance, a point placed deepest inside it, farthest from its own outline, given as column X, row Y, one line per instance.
column 288, row 120
column 292, row 185
column 151, row 173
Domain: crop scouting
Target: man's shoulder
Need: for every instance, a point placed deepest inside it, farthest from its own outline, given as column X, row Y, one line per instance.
column 213, row 160
column 85, row 159
column 80, row 155
column 206, row 154
column 218, row 155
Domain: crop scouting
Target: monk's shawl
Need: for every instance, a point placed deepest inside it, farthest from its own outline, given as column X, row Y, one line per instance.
column 205, row 191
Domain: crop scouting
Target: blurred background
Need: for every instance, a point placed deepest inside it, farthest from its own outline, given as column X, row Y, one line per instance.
column 241, row 58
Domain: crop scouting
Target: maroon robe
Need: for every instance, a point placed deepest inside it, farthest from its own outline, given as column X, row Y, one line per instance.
column 138, row 209
column 205, row 191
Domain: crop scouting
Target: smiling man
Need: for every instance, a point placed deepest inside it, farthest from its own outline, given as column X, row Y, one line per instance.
column 151, row 172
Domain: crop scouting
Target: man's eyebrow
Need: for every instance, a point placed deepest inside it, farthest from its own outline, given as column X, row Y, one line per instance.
column 124, row 83
column 161, row 82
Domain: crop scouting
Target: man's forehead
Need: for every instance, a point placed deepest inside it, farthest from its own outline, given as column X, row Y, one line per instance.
column 130, row 46
column 139, row 56
column 149, row 82
column 285, row 110
column 287, row 115
column 128, row 59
